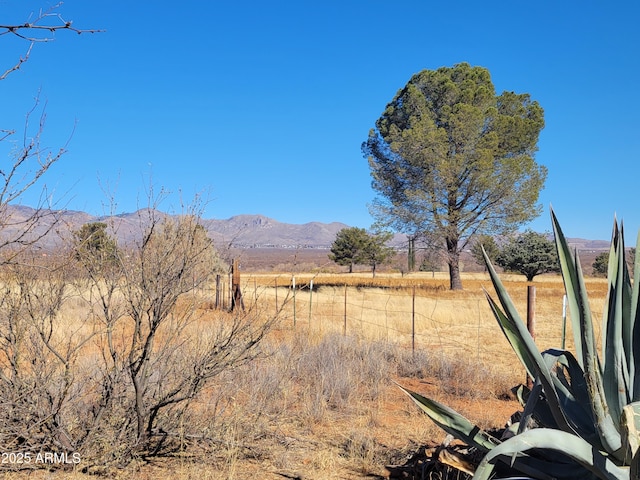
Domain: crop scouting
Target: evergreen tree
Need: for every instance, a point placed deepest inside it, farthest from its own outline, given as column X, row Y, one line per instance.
column 376, row 251
column 530, row 254
column 349, row 246
column 94, row 247
column 355, row 246
column 601, row 264
column 450, row 157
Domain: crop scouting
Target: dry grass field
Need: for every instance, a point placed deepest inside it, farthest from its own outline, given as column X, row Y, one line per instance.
column 320, row 403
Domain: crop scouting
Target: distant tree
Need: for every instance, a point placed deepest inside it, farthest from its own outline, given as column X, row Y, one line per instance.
column 349, row 246
column 94, row 246
column 450, row 157
column 601, row 264
column 376, row 252
column 430, row 263
column 490, row 247
column 530, row 254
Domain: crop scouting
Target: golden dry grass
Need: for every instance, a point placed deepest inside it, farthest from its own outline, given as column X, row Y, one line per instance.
column 321, row 404
column 418, row 309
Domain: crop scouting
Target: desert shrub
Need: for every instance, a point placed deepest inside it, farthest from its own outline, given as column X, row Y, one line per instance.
column 461, row 376
column 104, row 363
column 343, row 367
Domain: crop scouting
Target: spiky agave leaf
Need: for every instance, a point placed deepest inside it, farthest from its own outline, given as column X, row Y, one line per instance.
column 634, row 350
column 453, row 423
column 568, row 378
column 566, row 444
column 522, row 343
column 616, row 327
column 576, row 291
column 581, row 320
column 460, row 427
column 582, row 442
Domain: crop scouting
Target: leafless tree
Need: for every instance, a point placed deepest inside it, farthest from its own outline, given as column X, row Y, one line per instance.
column 29, row 160
column 109, row 355
column 104, row 357
column 39, row 352
column 156, row 355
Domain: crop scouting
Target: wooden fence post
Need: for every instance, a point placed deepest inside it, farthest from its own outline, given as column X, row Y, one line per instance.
column 293, row 283
column 217, row 304
column 310, row 300
column 236, row 296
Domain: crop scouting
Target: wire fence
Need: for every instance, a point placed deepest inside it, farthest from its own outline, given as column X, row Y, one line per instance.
column 418, row 316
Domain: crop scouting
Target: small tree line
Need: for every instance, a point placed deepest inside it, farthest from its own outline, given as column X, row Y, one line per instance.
column 532, row 254
column 355, row 246
column 529, row 253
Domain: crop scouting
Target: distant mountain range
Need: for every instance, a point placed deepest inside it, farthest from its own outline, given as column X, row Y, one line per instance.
column 258, row 231
column 240, row 231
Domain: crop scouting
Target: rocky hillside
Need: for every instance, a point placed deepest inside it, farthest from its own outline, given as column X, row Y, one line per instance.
column 258, row 231
column 241, row 231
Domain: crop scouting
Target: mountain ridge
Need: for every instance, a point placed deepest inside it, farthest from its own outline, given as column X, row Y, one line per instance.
column 239, row 231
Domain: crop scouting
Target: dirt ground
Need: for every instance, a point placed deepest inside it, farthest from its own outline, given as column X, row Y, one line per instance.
column 395, row 444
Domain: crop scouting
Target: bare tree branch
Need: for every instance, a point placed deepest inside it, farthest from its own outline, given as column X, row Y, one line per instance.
column 15, row 181
column 30, row 160
column 17, row 66
column 41, row 29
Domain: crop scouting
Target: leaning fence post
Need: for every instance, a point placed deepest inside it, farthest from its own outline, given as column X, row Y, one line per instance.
column 236, row 298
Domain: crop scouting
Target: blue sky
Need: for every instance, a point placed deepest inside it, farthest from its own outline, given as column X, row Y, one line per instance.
column 261, row 107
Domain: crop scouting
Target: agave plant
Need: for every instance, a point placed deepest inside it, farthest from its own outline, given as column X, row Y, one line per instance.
column 585, row 406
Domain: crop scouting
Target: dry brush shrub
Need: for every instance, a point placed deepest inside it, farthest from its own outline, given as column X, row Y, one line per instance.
column 156, row 354
column 105, row 358
column 39, row 352
column 274, row 409
column 339, row 371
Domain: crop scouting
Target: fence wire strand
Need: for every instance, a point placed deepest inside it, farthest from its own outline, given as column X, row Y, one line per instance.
column 462, row 325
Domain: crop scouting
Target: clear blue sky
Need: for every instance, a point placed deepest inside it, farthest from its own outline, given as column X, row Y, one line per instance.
column 263, row 106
